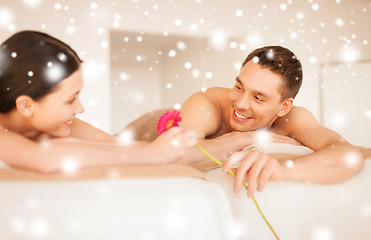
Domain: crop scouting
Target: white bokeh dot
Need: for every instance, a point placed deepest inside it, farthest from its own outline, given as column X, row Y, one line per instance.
column 300, row 15
column 177, row 106
column 233, row 45
column 239, row 13
column 312, row 60
column 70, row 165
column 172, row 53
column 315, row 6
column 181, row 45
column 104, row 44
column 178, row 22
column 339, row 22
column 208, row 75
column 196, row 73
column 283, row 6
column 175, row 142
column 322, row 233
column 262, row 136
column 57, row 6
column 187, row 65
column 290, row 164
column 123, row 76
column 38, row 228
column 368, row 113
column 255, row 59
column 193, row 27
column 93, row 5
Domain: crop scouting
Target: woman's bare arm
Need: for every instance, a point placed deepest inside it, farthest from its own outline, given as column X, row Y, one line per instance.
column 55, row 155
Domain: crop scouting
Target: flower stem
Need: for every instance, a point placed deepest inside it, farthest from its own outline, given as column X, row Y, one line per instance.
column 233, row 174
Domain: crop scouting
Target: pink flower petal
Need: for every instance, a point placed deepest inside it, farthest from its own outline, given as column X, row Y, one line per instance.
column 168, row 120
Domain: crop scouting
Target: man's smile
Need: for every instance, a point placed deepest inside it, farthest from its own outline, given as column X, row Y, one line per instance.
column 240, row 117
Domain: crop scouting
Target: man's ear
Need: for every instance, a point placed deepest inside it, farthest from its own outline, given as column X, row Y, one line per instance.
column 24, row 105
column 286, row 107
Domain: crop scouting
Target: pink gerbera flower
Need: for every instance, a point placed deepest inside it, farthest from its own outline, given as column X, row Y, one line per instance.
column 168, row 120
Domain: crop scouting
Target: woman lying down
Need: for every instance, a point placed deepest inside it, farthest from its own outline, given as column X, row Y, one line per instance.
column 40, row 82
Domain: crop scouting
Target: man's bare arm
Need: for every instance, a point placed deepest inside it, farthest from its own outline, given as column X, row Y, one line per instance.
column 201, row 113
column 334, row 160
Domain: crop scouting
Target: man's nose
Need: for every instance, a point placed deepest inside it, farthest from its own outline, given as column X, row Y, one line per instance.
column 243, row 103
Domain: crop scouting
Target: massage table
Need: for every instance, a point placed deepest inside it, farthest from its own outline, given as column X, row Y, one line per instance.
column 178, row 202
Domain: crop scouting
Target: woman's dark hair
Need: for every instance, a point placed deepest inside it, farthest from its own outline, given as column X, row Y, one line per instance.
column 33, row 63
column 283, row 62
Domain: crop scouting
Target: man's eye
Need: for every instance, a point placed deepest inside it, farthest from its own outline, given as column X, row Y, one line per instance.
column 238, row 87
column 258, row 98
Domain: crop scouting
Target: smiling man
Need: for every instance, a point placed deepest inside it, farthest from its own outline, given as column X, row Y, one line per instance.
column 262, row 99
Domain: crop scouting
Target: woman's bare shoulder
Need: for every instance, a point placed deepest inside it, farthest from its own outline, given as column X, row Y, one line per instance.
column 83, row 130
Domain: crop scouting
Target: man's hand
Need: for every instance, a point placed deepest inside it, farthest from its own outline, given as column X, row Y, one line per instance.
column 256, row 168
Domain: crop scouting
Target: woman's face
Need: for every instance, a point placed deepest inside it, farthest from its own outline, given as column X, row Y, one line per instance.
column 54, row 113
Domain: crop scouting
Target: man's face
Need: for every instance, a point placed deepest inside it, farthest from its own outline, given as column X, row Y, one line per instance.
column 255, row 98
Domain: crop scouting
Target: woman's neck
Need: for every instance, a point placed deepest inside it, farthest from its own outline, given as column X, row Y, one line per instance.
column 17, row 123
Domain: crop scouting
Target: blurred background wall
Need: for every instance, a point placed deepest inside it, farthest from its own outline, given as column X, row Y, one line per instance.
column 143, row 55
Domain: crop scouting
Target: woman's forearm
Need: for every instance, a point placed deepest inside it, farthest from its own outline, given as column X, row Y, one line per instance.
column 72, row 154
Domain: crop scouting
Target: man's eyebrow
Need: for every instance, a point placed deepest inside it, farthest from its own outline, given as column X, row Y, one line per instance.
column 239, row 80
column 261, row 93
column 264, row 94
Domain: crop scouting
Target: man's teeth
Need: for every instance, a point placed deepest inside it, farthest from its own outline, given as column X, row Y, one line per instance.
column 239, row 115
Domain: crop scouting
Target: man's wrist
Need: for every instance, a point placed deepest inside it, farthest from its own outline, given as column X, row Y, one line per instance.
column 245, row 138
column 290, row 170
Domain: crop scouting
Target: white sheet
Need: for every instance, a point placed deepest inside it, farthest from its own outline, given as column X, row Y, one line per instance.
column 186, row 208
column 303, row 210
column 161, row 208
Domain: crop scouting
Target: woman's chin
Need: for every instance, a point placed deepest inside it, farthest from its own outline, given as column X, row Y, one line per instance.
column 65, row 132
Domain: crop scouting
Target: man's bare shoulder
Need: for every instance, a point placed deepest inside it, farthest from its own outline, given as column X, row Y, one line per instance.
column 300, row 114
column 214, row 96
column 297, row 117
column 219, row 95
column 217, row 91
column 207, row 106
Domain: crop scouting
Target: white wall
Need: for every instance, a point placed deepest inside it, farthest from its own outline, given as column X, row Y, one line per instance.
column 152, row 71
column 346, row 100
column 317, row 31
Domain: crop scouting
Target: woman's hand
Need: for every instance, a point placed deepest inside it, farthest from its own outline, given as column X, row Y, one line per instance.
column 171, row 145
column 254, row 167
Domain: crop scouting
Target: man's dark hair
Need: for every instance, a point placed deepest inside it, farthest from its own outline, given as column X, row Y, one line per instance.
column 283, row 62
